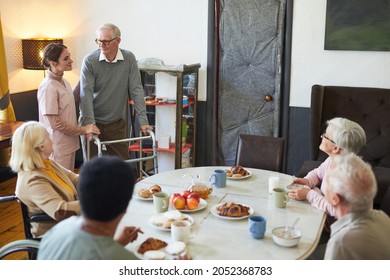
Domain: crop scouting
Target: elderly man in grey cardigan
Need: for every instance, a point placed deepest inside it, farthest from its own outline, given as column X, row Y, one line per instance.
column 109, row 78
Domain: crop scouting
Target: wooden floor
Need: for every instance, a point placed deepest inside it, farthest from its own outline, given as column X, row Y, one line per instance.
column 11, row 223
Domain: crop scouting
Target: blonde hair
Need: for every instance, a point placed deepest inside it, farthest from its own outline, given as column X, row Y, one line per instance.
column 354, row 181
column 25, row 154
column 347, row 134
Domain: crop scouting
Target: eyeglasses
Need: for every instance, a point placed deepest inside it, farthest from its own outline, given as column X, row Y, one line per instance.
column 327, row 138
column 104, row 42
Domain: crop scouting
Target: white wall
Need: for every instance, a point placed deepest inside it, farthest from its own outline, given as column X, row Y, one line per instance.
column 311, row 64
column 176, row 32
column 172, row 30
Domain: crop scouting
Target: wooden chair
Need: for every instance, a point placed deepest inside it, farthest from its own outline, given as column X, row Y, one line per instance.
column 262, row 152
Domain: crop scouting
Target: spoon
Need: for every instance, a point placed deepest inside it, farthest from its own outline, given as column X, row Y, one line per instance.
column 286, row 231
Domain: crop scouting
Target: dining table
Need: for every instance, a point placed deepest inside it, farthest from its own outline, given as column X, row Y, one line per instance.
column 216, row 237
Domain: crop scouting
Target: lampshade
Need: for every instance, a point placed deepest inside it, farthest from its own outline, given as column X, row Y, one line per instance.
column 33, row 52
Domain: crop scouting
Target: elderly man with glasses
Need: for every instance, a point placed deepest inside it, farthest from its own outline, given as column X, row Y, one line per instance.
column 109, row 78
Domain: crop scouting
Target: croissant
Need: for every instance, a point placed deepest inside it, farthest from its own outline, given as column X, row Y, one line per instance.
column 238, row 169
column 151, row 244
column 231, row 209
column 225, row 205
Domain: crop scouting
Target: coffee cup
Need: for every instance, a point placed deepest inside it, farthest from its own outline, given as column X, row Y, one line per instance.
column 280, row 197
column 218, row 178
column 273, row 182
column 257, row 225
column 181, row 231
column 161, row 201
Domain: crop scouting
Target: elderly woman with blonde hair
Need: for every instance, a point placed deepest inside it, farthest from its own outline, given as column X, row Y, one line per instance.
column 42, row 185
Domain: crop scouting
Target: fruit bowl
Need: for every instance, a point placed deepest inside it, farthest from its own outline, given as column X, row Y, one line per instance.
column 202, row 205
column 286, row 236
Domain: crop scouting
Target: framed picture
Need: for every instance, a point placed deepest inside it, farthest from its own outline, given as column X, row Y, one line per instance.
column 357, row 25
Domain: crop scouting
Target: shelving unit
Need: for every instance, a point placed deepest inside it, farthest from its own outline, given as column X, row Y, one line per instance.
column 171, row 99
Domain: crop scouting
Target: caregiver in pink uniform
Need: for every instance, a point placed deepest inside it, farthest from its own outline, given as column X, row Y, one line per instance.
column 57, row 107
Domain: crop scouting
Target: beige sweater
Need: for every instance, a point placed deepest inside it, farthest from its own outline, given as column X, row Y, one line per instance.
column 42, row 194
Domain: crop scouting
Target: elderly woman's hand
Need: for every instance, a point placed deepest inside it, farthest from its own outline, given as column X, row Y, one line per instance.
column 301, row 181
column 299, row 193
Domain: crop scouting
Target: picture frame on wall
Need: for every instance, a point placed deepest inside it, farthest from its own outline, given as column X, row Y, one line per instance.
column 357, row 25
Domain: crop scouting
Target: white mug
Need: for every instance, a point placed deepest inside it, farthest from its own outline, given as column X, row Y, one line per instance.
column 181, row 231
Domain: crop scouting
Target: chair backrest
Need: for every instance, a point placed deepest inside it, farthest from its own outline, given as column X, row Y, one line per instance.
column 385, row 204
column 262, row 152
column 369, row 107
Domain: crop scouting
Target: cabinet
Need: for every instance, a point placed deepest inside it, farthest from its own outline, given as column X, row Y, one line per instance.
column 171, row 95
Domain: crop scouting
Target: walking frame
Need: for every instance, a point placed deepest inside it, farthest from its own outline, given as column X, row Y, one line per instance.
column 101, row 145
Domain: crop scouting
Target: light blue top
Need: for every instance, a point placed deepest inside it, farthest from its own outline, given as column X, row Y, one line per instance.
column 66, row 241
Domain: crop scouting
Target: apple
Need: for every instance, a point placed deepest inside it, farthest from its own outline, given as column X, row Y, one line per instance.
column 194, row 195
column 185, row 194
column 192, row 203
column 172, row 197
column 179, row 202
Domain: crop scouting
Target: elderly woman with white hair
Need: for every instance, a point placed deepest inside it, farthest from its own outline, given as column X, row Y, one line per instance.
column 43, row 185
column 342, row 136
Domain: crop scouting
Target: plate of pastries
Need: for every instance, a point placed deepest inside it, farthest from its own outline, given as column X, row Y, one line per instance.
column 232, row 211
column 147, row 194
column 158, row 249
column 237, row 173
column 164, row 220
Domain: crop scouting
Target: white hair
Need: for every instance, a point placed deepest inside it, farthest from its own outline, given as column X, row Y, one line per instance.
column 116, row 33
column 354, row 181
column 347, row 134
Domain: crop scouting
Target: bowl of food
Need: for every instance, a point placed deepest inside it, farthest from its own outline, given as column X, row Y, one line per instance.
column 286, row 236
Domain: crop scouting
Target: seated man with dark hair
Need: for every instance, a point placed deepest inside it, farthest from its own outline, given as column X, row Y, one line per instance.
column 105, row 190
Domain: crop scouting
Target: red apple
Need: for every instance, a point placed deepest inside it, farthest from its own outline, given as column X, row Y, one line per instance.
column 179, row 202
column 194, row 195
column 185, row 194
column 172, row 197
column 192, row 203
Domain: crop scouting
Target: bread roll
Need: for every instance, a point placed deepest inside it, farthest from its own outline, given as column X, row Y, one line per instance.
column 144, row 193
column 155, row 189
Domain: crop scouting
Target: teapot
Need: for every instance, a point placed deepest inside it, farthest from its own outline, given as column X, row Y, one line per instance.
column 198, row 186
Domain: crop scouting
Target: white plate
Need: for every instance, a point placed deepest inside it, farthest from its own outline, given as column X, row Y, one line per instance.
column 202, row 204
column 167, row 256
column 144, row 199
column 240, row 178
column 214, row 211
column 188, row 218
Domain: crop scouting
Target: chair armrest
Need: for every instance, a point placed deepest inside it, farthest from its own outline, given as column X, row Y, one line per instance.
column 41, row 218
